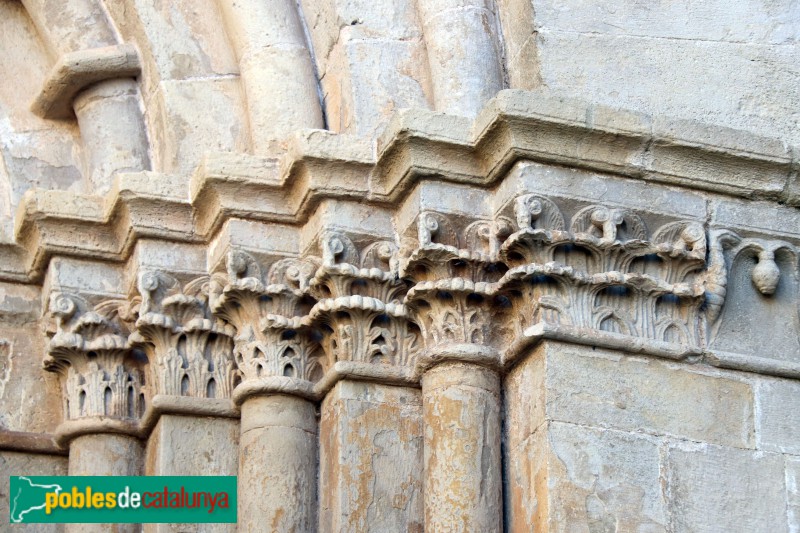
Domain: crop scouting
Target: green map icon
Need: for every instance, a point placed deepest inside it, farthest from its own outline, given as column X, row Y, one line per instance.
column 28, row 498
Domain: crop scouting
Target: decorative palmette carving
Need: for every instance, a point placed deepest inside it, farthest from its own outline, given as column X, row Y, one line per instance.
column 360, row 312
column 606, row 273
column 190, row 351
column 271, row 338
column 454, row 266
column 101, row 376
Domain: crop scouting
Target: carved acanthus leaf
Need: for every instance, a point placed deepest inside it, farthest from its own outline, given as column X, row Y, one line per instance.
column 190, row 350
column 101, row 377
column 270, row 337
column 359, row 312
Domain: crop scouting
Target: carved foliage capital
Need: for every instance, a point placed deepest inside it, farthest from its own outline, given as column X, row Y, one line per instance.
column 100, row 375
column 190, row 350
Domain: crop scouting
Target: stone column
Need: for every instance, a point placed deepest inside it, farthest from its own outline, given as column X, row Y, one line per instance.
column 191, row 377
column 105, row 454
column 278, row 357
column 465, row 75
column 453, row 304
column 277, row 464
column 277, row 71
column 102, row 394
column 461, row 413
column 370, row 418
column 94, row 81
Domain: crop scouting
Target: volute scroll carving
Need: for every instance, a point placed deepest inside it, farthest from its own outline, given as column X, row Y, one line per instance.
column 101, row 376
column 606, row 272
column 272, row 337
column 190, row 350
column 360, row 311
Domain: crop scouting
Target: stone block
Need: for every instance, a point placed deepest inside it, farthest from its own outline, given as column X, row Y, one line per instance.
column 331, row 20
column 525, row 400
column 182, row 134
column 371, row 458
column 23, row 464
column 778, row 416
column 368, row 80
column 755, row 216
column 713, row 489
column 30, row 400
column 643, row 394
column 526, row 478
column 675, row 78
column 193, row 446
column 573, row 183
column 601, row 480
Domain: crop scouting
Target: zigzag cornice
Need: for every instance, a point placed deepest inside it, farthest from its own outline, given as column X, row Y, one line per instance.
column 416, row 145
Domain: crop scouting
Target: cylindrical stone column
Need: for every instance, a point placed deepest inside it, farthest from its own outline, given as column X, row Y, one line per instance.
column 276, row 69
column 112, row 130
column 278, row 464
column 105, row 454
column 461, row 414
column 463, row 54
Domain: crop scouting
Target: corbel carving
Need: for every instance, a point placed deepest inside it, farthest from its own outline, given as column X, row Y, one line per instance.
column 765, row 292
column 190, row 351
column 271, row 337
column 88, row 348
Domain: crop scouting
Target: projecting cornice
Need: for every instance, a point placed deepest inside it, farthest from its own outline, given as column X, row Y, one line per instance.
column 416, row 145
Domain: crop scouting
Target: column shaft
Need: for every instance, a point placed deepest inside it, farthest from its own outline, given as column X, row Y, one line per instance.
column 278, row 465
column 105, row 454
column 461, row 413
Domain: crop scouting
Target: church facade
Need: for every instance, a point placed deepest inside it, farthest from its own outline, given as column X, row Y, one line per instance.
column 431, row 265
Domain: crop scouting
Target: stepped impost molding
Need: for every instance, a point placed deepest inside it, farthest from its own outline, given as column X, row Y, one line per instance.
column 415, row 146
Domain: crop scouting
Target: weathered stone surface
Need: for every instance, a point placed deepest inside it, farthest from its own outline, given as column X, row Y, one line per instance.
column 105, row 455
column 602, row 480
column 778, row 416
column 461, row 412
column 671, row 74
column 371, row 459
column 28, row 398
column 599, row 303
column 19, row 464
column 638, row 394
column 179, row 40
column 180, row 135
column 712, row 489
column 793, row 492
column 526, row 493
column 192, row 446
column 463, row 54
column 277, row 465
